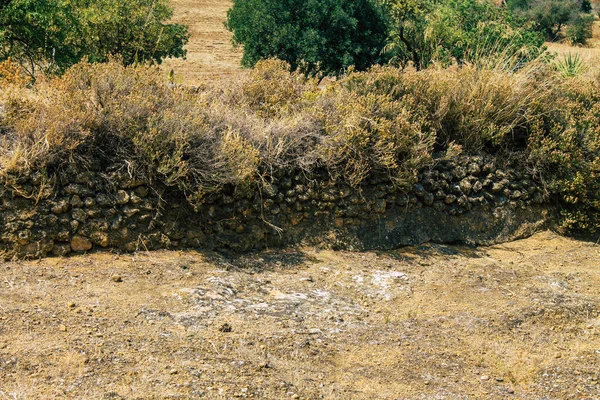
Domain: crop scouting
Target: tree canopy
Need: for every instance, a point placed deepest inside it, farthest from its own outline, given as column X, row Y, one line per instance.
column 457, row 31
column 51, row 35
column 314, row 36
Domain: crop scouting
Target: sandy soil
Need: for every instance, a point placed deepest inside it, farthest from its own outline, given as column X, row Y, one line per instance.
column 516, row 321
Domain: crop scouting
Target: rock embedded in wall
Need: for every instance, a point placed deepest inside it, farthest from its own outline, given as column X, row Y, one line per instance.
column 468, row 200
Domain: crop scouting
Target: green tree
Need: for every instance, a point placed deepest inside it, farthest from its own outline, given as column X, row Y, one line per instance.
column 52, row 35
column 580, row 29
column 313, row 36
column 131, row 29
column 552, row 17
column 39, row 34
column 457, row 31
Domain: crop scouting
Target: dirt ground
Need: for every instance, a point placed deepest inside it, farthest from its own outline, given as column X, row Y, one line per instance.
column 512, row 321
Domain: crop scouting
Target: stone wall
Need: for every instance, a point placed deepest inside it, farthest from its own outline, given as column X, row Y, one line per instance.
column 469, row 200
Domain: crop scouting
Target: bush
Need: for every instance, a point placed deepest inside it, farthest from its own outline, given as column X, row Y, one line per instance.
column 456, row 31
column 368, row 132
column 552, row 16
column 52, row 35
column 580, row 29
column 240, row 133
column 315, row 36
column 565, row 151
column 134, row 30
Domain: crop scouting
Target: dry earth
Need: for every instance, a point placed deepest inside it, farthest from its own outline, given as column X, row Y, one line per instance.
column 512, row 321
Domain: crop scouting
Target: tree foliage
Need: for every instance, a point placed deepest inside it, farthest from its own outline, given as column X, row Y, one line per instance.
column 314, row 36
column 553, row 16
column 51, row 35
column 457, row 31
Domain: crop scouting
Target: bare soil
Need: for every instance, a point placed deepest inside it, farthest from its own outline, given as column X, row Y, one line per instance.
column 516, row 321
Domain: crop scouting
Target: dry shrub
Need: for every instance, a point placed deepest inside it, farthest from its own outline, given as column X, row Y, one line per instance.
column 271, row 90
column 565, row 150
column 11, row 73
column 487, row 108
column 372, row 132
column 269, row 121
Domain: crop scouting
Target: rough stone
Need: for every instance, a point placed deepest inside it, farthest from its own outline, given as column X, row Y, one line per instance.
column 78, row 189
column 473, row 169
column 270, row 190
column 61, row 249
column 316, row 210
column 76, row 201
column 104, row 200
column 79, row 215
column 122, row 197
column 80, row 243
column 100, row 238
column 465, row 186
column 450, row 199
column 61, row 207
column 498, row 187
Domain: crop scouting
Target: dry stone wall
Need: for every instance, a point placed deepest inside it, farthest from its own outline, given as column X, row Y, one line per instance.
column 469, row 200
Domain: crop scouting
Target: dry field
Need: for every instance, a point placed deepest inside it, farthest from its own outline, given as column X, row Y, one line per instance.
column 512, row 321
column 210, row 52
column 589, row 53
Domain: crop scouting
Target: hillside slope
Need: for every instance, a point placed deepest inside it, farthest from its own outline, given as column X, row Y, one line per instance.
column 210, row 52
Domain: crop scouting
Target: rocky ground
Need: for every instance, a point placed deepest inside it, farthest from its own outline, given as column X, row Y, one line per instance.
column 517, row 321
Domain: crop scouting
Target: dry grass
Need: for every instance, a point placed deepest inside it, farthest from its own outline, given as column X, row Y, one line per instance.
column 426, row 322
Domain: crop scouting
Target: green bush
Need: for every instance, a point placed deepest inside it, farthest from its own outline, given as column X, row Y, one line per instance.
column 52, row 35
column 580, row 29
column 570, row 66
column 315, row 36
column 552, row 17
column 456, row 31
